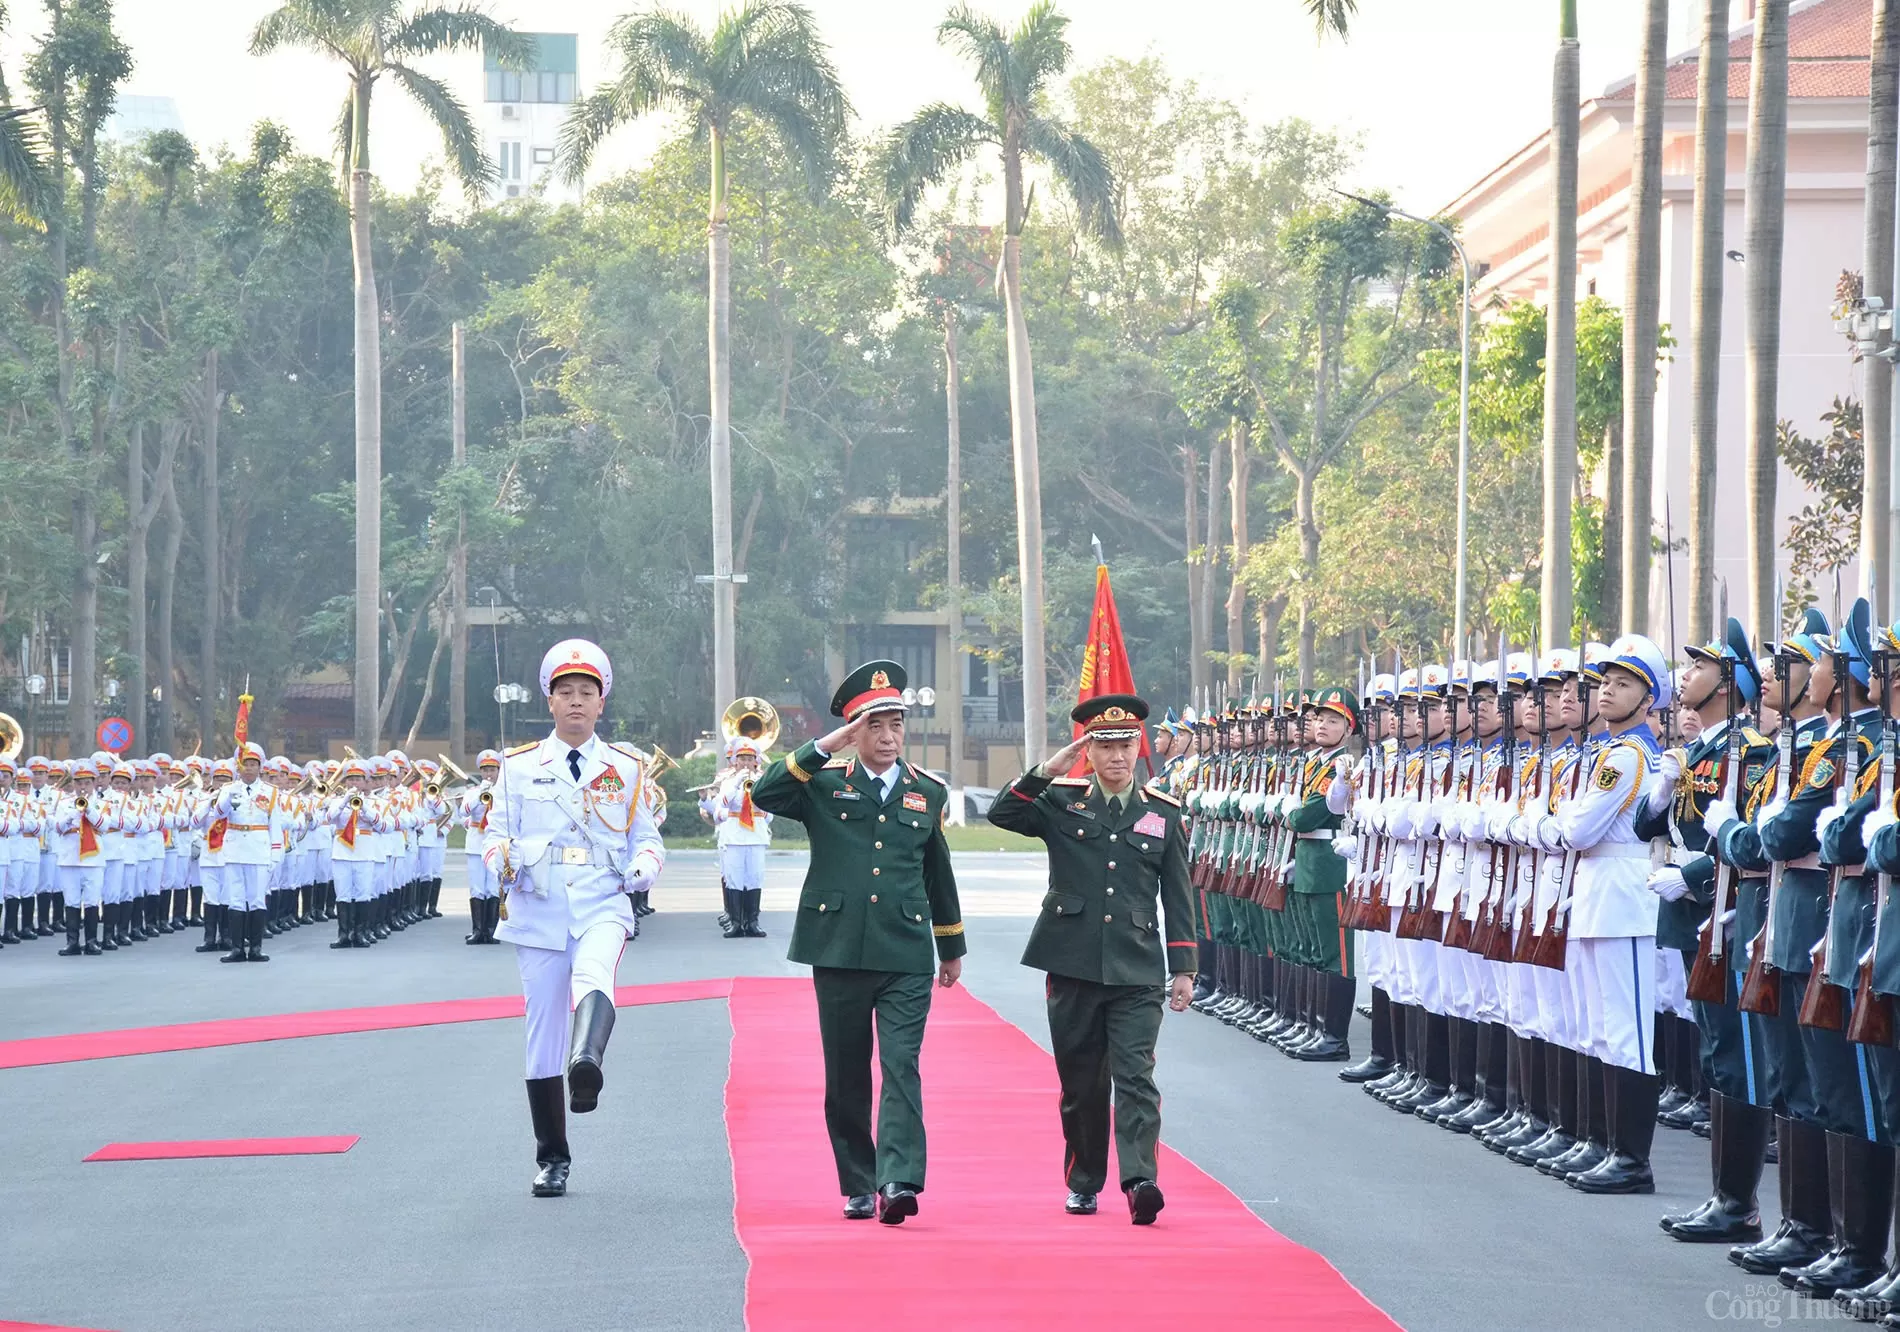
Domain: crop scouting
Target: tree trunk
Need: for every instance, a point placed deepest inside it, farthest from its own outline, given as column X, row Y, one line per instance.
column 719, row 349
column 428, row 693
column 1761, row 243
column 1612, row 611
column 953, row 558
column 369, row 466
column 1238, row 470
column 1022, row 430
column 1876, row 536
column 1308, row 520
column 211, row 538
column 82, row 713
column 1272, row 612
column 1196, row 575
column 458, row 569
column 1560, row 353
column 165, row 719
column 1705, row 316
column 1642, row 308
column 1210, row 584
column 137, row 524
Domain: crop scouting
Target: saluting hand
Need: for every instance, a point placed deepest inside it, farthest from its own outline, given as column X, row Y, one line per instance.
column 1060, row 762
column 845, row 737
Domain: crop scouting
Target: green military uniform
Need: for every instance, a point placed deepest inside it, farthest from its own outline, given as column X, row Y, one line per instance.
column 878, row 895
column 1119, row 915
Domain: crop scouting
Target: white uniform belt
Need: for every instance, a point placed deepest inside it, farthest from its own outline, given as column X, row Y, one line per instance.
column 1810, row 861
column 579, row 855
column 1318, row 835
column 1617, row 851
column 247, row 827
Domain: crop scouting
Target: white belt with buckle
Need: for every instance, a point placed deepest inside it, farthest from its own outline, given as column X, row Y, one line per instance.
column 574, row 855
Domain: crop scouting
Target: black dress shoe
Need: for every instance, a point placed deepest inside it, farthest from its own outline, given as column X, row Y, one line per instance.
column 1373, row 1066
column 895, row 1202
column 1080, row 1204
column 593, row 1024
column 860, row 1207
column 551, row 1180
column 1144, row 1201
column 1325, row 1050
column 1721, row 1220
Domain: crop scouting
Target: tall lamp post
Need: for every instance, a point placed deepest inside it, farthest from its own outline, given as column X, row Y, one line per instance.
column 1464, row 398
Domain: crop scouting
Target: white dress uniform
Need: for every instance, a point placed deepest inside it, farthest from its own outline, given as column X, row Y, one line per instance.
column 473, row 816
column 251, row 808
column 741, row 849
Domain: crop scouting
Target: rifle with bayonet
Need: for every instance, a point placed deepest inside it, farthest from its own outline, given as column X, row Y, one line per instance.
column 1761, row 991
column 1553, row 941
column 1872, row 1021
column 1824, row 1004
column 1708, row 977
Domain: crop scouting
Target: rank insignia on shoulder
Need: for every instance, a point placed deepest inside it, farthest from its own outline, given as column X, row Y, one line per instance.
column 1163, row 796
column 838, row 762
column 926, row 774
column 520, row 749
column 1607, row 777
column 1069, row 781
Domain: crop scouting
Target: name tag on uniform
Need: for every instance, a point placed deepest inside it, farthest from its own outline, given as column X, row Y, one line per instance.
column 544, row 781
column 915, row 802
column 1150, row 825
column 846, row 793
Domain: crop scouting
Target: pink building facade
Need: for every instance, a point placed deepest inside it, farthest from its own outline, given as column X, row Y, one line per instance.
column 1504, row 221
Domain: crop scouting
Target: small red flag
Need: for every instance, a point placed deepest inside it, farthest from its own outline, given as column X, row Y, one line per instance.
column 242, row 731
column 1105, row 668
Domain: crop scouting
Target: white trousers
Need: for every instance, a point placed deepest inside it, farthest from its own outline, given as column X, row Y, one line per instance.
column 481, row 879
column 742, row 867
column 553, row 981
column 83, row 885
column 245, row 886
column 213, row 876
column 1672, row 984
column 1617, row 984
column 355, row 879
column 23, row 878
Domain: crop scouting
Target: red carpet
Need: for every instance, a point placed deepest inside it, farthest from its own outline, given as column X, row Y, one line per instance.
column 991, row 1249
column 291, row 1026
column 5, row 1326
column 177, row 1151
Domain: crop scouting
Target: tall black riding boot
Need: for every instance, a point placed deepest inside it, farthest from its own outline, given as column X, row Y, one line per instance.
column 1379, row 1062
column 545, row 1105
column 109, row 927
column 493, row 921
column 51, row 912
column 90, row 920
column 1490, row 1083
column 1860, row 1175
column 1563, row 1089
column 1632, row 1125
column 1801, row 1237
column 477, row 918
column 197, row 916
column 343, row 929
column 753, row 930
column 181, row 908
column 1335, row 1021
column 435, row 899
column 1464, row 1074
column 29, row 908
column 238, row 923
column 1596, row 1108
column 255, row 951
column 1738, row 1137
column 210, row 945
column 72, row 948
column 593, row 1024
column 1881, row 1296
column 1384, row 1084
column 10, row 921
column 1436, row 1066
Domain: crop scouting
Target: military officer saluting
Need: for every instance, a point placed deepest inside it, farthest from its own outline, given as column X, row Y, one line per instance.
column 878, row 893
column 1118, row 916
column 570, row 835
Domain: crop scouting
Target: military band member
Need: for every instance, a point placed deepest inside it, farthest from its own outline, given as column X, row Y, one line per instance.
column 80, row 826
column 1118, row 916
column 570, row 836
column 484, row 892
column 742, row 832
column 878, row 892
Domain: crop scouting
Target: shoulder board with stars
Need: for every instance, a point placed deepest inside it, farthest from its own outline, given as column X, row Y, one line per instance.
column 1069, row 781
column 1153, row 789
column 926, row 774
column 520, row 749
column 838, row 761
column 1754, row 739
column 630, row 751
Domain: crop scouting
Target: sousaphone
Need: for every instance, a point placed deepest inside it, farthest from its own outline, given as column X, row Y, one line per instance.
column 12, row 738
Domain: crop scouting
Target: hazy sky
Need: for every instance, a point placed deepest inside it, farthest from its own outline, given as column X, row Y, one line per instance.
column 1439, row 90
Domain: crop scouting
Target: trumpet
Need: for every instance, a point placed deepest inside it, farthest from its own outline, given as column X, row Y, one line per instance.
column 356, row 800
column 432, row 789
column 488, row 799
column 79, row 803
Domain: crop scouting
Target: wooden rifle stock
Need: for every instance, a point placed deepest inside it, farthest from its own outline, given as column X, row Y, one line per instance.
column 1872, row 1023
column 1824, row 1004
column 1761, row 991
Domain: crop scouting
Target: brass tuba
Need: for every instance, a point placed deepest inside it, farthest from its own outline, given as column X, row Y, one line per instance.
column 12, row 738
column 750, row 719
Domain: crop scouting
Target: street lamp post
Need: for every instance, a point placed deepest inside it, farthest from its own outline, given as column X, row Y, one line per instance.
column 1464, row 400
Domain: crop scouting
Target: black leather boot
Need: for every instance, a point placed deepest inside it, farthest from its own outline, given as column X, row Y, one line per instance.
column 72, row 948
column 1881, row 1296
column 1335, row 1021
column 29, row 908
column 109, row 927
column 477, row 918
column 1860, row 1176
column 435, row 898
column 753, row 930
column 593, row 1024
column 360, row 936
column 379, row 917
column 1632, row 1124
column 255, row 951
column 90, row 920
column 1738, row 1138
column 238, row 923
column 210, row 944
column 494, row 920
column 1800, row 1238
column 545, row 1106
column 52, row 908
column 342, row 939
column 10, row 921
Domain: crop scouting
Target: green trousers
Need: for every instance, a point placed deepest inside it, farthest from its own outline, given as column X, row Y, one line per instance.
column 849, row 1002
column 1104, row 1036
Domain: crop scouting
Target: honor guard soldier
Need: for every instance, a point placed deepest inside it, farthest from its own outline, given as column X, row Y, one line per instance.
column 484, row 892
column 1327, row 978
column 879, row 892
column 742, row 831
column 570, row 836
column 1118, row 916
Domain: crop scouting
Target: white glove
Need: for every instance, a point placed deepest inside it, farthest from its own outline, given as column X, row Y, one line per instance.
column 1827, row 818
column 1878, row 819
column 1668, row 884
column 1345, row 846
column 1670, row 766
column 1429, row 818
column 1719, row 813
column 1497, row 822
column 1288, row 803
column 1403, row 820
column 1518, row 830
column 1769, row 812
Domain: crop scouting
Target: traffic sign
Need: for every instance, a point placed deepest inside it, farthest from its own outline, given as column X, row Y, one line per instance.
column 114, row 735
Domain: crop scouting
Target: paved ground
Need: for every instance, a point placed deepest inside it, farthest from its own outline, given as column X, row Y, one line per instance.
column 426, row 1223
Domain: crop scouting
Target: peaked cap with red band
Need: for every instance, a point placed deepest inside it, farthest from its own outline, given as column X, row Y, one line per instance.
column 1110, row 716
column 876, row 686
column 577, row 656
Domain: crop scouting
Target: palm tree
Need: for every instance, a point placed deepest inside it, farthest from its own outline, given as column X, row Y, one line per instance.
column 1641, row 314
column 1762, row 227
column 1705, row 313
column 1876, row 535
column 1013, row 72
column 1332, row 15
column 765, row 62
column 376, row 40
column 1560, row 347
